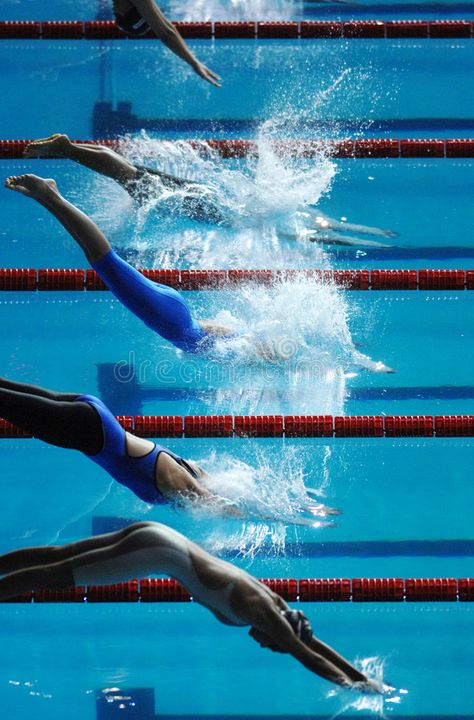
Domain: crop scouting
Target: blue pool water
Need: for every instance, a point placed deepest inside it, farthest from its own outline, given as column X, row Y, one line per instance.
column 312, row 88
column 248, row 9
column 403, row 500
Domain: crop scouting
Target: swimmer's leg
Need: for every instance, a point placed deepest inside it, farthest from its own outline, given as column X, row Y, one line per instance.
column 52, row 554
column 105, row 556
column 72, row 425
column 95, row 157
column 36, row 390
column 160, row 307
column 84, row 231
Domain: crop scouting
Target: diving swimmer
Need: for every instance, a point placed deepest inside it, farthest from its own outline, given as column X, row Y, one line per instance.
column 83, row 422
column 138, row 17
column 141, row 182
column 197, row 202
column 231, row 594
column 161, row 308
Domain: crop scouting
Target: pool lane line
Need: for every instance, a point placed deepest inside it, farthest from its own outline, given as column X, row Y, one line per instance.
column 384, row 148
column 77, row 279
column 246, row 29
column 362, row 549
column 123, row 117
column 285, row 426
column 292, row 589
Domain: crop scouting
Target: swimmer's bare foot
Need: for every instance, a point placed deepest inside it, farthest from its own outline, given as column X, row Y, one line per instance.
column 53, row 146
column 32, row 186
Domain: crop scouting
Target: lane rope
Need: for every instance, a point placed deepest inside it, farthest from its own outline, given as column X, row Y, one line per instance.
column 350, row 148
column 291, row 589
column 288, row 426
column 62, row 279
column 247, row 29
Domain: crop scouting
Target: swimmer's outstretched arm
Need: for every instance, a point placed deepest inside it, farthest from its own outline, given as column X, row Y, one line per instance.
column 324, row 221
column 168, row 34
column 316, row 657
column 366, row 362
column 329, row 237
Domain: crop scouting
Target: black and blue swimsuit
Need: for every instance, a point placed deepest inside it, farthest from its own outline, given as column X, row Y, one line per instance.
column 136, row 473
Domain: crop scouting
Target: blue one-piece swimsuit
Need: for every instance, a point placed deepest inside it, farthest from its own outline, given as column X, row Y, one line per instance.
column 136, row 473
column 161, row 308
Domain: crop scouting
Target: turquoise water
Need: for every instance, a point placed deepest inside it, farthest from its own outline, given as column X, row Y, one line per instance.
column 246, row 10
column 402, row 500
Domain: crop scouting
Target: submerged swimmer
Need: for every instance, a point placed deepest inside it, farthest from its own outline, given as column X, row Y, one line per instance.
column 82, row 422
column 198, row 201
column 138, row 17
column 231, row 594
column 161, row 308
column 141, row 183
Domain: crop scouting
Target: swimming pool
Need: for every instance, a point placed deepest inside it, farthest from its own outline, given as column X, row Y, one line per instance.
column 402, row 514
column 243, row 10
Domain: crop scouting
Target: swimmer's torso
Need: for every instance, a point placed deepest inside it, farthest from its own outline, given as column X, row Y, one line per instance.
column 129, row 460
column 158, row 550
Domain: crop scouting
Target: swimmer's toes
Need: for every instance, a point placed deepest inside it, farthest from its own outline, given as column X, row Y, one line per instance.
column 30, row 185
column 52, row 145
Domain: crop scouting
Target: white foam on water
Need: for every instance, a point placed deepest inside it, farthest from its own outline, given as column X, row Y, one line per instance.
column 272, row 496
column 205, row 10
column 360, row 699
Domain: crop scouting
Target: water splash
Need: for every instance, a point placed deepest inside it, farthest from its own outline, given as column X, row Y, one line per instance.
column 363, row 699
column 261, row 200
column 271, row 497
column 235, row 9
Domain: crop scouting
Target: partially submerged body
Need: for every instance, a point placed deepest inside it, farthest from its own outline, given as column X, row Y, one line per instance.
column 196, row 200
column 231, row 594
column 140, row 17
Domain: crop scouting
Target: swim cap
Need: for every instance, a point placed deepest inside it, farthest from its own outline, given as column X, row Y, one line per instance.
column 300, row 624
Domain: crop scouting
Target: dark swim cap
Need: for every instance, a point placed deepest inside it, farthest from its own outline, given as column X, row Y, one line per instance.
column 300, row 624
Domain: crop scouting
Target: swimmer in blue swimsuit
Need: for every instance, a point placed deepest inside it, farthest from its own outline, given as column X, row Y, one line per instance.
column 231, row 594
column 138, row 17
column 161, row 308
column 82, row 422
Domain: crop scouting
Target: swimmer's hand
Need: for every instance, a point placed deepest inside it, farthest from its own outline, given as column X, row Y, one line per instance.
column 380, row 367
column 367, row 687
column 206, row 73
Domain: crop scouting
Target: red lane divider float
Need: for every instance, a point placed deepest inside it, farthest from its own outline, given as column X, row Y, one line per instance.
column 353, row 148
column 247, row 29
column 279, row 426
column 305, row 590
column 28, row 279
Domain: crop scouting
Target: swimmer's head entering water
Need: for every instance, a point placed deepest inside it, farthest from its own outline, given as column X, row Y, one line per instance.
column 299, row 624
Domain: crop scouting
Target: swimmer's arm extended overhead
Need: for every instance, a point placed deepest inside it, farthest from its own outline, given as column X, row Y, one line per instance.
column 329, row 237
column 168, row 34
column 325, row 222
column 318, row 658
